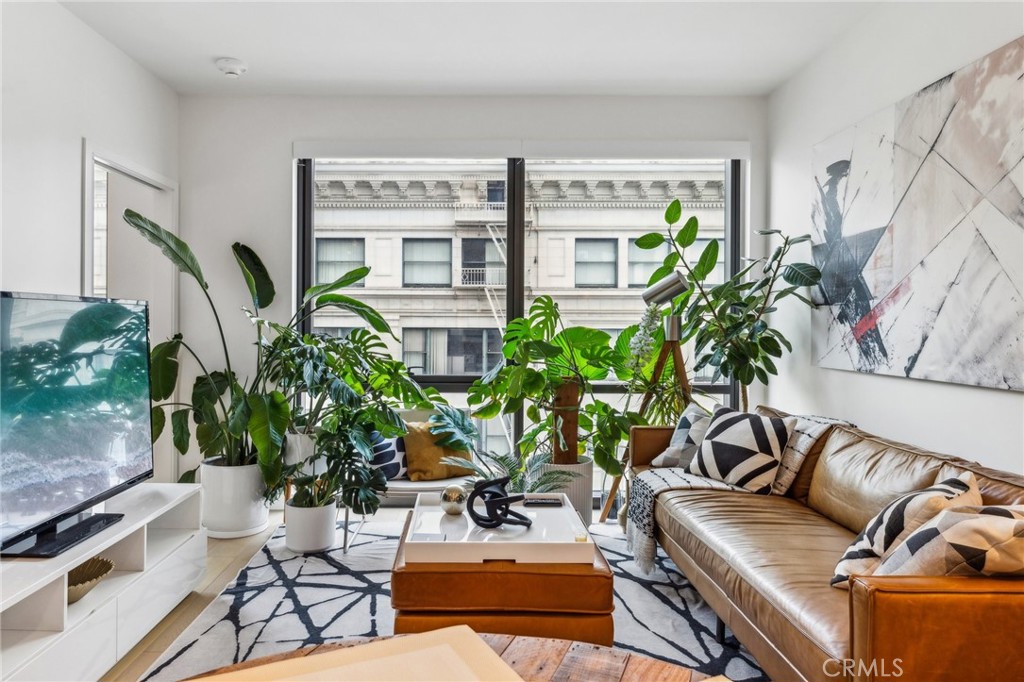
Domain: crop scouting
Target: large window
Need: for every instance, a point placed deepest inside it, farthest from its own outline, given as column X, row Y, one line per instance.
column 482, row 263
column 597, row 263
column 427, row 262
column 450, row 351
column 336, row 256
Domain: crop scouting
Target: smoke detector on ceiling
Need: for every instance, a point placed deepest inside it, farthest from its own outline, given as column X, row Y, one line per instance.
column 231, row 67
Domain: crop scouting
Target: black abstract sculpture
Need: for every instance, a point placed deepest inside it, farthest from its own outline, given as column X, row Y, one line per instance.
column 497, row 502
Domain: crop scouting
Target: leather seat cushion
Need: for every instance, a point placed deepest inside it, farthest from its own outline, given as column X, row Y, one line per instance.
column 773, row 556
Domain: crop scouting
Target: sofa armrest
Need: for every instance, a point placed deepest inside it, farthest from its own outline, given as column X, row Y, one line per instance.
column 935, row 628
column 647, row 442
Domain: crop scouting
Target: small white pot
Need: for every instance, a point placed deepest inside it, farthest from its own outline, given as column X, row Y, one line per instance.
column 580, row 490
column 233, row 504
column 310, row 529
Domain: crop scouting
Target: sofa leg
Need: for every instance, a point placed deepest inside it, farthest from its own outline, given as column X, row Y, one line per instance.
column 719, row 630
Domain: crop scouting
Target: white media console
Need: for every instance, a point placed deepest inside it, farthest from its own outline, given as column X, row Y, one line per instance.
column 159, row 555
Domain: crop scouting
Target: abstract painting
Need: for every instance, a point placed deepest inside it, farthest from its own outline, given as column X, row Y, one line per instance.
column 918, row 222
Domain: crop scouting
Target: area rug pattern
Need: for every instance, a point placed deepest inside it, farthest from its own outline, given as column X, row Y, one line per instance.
column 283, row 601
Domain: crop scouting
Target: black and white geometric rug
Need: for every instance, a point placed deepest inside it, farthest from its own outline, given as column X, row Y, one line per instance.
column 283, row 601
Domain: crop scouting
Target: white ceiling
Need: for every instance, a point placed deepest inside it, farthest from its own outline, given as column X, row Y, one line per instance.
column 474, row 48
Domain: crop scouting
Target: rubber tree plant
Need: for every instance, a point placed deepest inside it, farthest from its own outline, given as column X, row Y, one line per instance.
column 549, row 370
column 239, row 421
column 345, row 393
column 728, row 322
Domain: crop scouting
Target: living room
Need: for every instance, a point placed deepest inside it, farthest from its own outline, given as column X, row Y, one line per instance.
column 729, row 291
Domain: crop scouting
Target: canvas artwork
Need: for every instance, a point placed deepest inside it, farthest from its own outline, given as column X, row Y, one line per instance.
column 918, row 223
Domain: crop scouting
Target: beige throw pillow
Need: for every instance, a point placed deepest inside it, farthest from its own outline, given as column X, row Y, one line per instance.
column 424, row 455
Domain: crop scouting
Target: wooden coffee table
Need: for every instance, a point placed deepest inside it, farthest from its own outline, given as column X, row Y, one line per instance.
column 534, row 658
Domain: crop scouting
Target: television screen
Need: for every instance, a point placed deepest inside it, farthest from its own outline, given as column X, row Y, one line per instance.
column 75, row 424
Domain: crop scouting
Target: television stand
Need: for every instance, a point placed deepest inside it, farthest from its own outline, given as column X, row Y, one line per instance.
column 62, row 535
column 159, row 555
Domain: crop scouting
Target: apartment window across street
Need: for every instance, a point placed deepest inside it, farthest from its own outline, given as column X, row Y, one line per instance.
column 482, row 263
column 643, row 262
column 597, row 263
column 427, row 262
column 336, row 256
column 717, row 275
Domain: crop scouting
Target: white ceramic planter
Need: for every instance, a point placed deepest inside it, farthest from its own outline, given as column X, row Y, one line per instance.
column 310, row 529
column 233, row 504
column 580, row 490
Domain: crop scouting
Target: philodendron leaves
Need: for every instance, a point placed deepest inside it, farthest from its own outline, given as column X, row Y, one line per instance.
column 348, row 279
column 163, row 361
column 257, row 278
column 268, row 422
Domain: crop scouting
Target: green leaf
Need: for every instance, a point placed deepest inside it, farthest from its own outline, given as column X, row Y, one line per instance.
column 348, row 279
column 544, row 316
column 159, row 421
column 801, row 274
column 177, row 251
column 488, row 410
column 707, row 261
column 368, row 313
column 688, row 235
column 179, row 429
column 661, row 273
column 768, row 232
column 674, row 212
column 267, row 425
column 651, row 240
column 163, row 361
column 257, row 278
column 801, row 239
column 770, row 346
column 96, row 323
column 208, row 388
column 189, row 476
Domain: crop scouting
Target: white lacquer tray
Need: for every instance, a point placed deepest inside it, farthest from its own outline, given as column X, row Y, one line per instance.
column 557, row 536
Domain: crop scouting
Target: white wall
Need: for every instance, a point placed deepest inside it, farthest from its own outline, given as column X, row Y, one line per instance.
column 236, row 163
column 63, row 82
column 895, row 51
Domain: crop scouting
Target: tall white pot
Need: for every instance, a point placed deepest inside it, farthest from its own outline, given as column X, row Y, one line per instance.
column 233, row 504
column 310, row 529
column 580, row 490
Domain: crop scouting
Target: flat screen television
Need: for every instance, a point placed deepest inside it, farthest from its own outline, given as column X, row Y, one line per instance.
column 75, row 423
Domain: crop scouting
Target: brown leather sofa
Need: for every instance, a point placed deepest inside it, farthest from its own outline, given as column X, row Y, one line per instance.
column 763, row 563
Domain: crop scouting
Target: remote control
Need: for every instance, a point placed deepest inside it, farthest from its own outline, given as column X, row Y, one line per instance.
column 542, row 502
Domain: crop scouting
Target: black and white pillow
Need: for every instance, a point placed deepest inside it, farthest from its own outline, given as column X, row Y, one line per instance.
column 898, row 520
column 389, row 456
column 963, row 541
column 686, row 439
column 743, row 449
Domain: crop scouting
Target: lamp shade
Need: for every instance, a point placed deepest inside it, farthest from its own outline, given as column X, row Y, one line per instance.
column 664, row 290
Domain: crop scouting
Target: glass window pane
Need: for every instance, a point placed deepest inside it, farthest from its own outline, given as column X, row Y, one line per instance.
column 432, row 232
column 596, row 262
column 643, row 263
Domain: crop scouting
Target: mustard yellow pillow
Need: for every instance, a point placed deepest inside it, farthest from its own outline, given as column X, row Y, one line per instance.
column 424, row 455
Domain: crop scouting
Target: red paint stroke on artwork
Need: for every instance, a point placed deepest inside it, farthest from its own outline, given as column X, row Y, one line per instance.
column 870, row 320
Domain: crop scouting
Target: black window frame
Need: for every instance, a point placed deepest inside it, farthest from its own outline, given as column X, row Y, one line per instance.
column 451, row 255
column 515, row 289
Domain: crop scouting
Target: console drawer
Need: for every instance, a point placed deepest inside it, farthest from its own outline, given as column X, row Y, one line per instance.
column 83, row 653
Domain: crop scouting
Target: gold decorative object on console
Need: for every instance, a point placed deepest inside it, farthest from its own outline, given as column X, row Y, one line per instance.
column 83, row 578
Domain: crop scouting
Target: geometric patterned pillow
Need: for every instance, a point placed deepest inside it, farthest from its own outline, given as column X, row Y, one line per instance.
column 963, row 541
column 689, row 433
column 743, row 449
column 808, row 431
column 389, row 456
column 897, row 520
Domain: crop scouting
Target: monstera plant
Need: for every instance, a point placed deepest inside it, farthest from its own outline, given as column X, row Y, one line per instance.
column 728, row 322
column 239, row 423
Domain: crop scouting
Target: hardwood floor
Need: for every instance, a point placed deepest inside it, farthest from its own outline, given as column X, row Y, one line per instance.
column 224, row 559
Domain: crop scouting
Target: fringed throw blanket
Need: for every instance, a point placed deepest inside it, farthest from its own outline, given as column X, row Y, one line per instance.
column 644, row 490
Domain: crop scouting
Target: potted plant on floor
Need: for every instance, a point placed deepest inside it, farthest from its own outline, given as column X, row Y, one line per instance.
column 549, row 370
column 346, row 392
column 728, row 322
column 239, row 423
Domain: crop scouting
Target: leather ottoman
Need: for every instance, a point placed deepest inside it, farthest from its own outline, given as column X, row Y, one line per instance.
column 565, row 601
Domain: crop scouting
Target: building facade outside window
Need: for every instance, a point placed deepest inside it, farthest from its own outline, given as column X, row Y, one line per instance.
column 642, row 262
column 427, row 262
column 597, row 263
column 482, row 263
column 336, row 256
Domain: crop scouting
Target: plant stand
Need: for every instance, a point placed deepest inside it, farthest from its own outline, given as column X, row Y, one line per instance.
column 671, row 348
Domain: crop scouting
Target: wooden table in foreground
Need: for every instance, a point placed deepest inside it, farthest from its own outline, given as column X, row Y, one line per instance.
column 536, row 659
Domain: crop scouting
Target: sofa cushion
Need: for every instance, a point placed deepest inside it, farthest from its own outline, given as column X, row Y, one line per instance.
column 773, row 557
column 802, row 451
column 858, row 474
column 686, row 439
column 899, row 519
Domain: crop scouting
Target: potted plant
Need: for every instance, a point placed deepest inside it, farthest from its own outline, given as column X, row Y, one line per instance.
column 239, row 424
column 728, row 322
column 345, row 392
column 550, row 369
